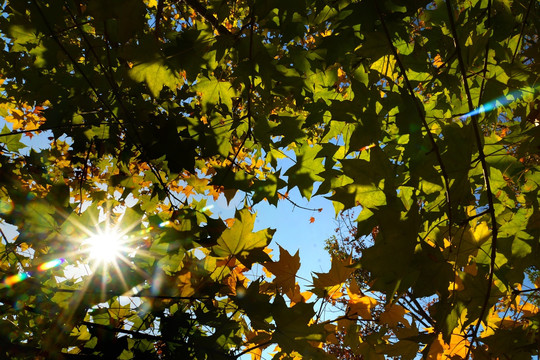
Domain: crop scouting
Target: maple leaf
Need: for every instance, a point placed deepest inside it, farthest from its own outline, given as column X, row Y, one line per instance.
column 458, row 346
column 437, row 348
column 184, row 284
column 393, row 315
column 285, row 270
column 298, row 297
column 239, row 238
column 359, row 304
column 218, row 102
column 338, row 274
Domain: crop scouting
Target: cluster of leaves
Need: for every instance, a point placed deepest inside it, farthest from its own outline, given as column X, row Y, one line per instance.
column 421, row 114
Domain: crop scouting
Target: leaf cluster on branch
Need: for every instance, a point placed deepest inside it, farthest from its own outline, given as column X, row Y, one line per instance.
column 420, row 115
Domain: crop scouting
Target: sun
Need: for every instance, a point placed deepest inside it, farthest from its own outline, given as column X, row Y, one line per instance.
column 105, row 247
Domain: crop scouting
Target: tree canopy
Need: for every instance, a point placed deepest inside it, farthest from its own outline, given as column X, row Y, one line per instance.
column 420, row 115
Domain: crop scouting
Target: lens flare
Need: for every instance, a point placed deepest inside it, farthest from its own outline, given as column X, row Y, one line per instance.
column 51, row 264
column 499, row 102
column 165, row 224
column 207, row 207
column 12, row 280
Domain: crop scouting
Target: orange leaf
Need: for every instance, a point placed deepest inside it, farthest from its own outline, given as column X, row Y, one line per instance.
column 311, row 220
column 437, row 61
column 298, row 297
column 529, row 309
column 229, row 222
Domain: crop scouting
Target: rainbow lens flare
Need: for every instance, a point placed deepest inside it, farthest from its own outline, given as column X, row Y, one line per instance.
column 51, row 264
column 12, row 280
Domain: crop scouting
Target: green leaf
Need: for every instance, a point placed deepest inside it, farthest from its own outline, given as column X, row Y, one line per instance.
column 156, row 74
column 304, row 173
column 11, row 142
column 215, row 92
column 239, row 239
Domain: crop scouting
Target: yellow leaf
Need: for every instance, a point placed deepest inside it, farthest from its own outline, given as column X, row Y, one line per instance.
column 338, row 274
column 334, row 292
column 482, row 232
column 529, row 309
column 151, row 3
column 385, row 66
column 360, row 304
column 436, row 349
column 184, row 284
column 285, row 269
column 458, row 346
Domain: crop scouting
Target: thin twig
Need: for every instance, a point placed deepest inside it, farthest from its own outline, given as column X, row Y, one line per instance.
column 10, row 247
column 17, row 132
column 135, row 334
column 516, row 291
column 522, row 29
column 208, row 16
column 413, row 314
column 418, row 308
column 247, row 351
column 485, row 171
column 286, row 197
column 486, row 57
column 421, row 114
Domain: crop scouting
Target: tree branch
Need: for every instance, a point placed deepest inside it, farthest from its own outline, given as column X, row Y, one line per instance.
column 286, row 197
column 522, row 29
column 421, row 114
column 485, row 172
column 135, row 334
column 484, row 69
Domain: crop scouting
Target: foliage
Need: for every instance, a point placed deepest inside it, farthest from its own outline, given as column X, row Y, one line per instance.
column 420, row 114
